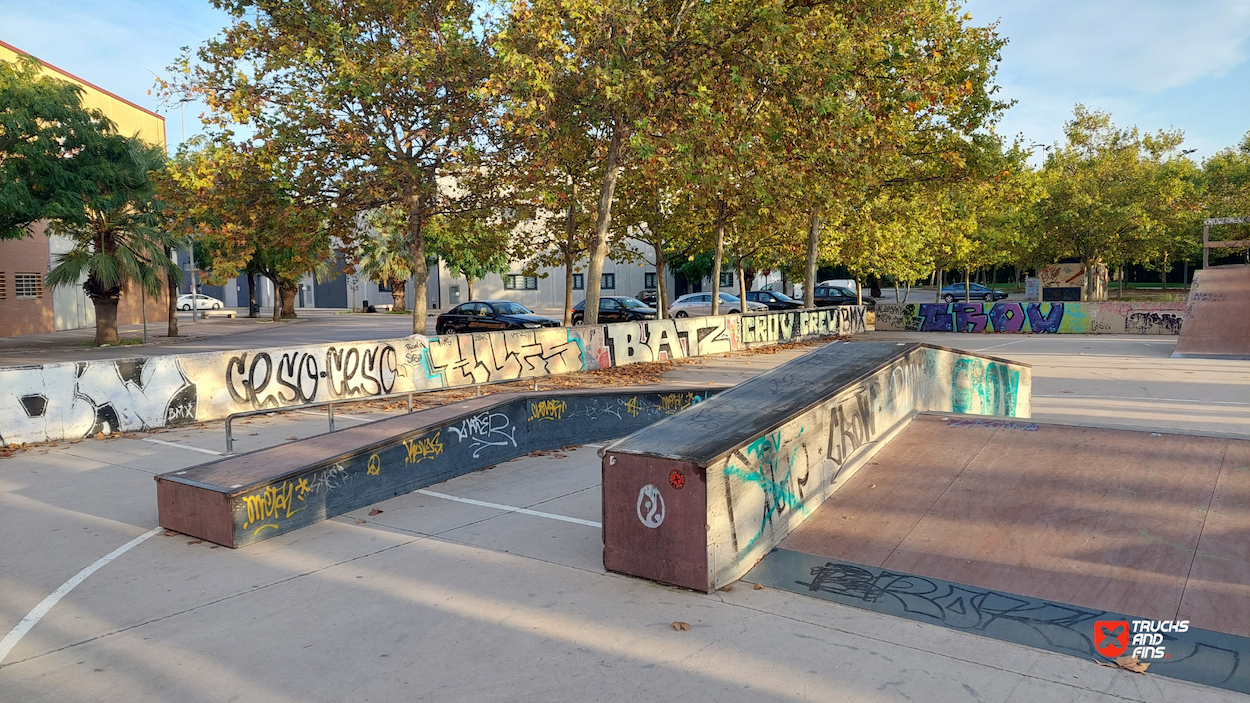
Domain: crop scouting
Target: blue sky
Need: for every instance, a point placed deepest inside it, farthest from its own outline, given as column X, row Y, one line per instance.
column 1151, row 63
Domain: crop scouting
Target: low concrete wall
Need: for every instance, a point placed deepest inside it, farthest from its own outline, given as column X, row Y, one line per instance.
column 1036, row 318
column 245, row 498
column 62, row 401
column 757, row 460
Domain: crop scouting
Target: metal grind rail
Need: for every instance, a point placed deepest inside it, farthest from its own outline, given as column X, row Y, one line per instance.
column 329, row 406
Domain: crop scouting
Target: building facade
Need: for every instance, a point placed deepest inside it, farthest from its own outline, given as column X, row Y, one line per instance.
column 26, row 305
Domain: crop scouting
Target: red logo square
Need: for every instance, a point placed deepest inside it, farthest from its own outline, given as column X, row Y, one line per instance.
column 1111, row 637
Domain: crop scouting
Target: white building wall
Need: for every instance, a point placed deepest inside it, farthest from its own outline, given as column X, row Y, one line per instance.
column 549, row 297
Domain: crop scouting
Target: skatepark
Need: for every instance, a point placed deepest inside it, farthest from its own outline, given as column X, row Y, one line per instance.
column 953, row 539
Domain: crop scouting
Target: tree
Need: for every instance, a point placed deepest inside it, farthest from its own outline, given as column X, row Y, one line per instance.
column 251, row 213
column 383, row 254
column 43, row 125
column 611, row 68
column 117, row 238
column 1108, row 189
column 1226, row 185
column 880, row 95
column 372, row 101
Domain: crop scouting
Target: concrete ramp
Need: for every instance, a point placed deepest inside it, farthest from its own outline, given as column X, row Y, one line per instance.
column 1033, row 533
column 1217, row 315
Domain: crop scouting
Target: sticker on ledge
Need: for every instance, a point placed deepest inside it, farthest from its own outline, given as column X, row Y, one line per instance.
column 677, row 479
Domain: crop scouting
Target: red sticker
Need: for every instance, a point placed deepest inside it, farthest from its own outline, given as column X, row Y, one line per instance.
column 676, row 479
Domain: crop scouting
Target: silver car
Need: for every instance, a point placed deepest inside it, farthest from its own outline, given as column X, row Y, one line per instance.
column 699, row 304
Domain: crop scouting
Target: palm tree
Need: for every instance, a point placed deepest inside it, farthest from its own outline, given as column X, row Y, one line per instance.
column 382, row 254
column 117, row 239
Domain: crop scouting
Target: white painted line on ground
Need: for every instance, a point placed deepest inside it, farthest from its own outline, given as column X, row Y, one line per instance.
column 1130, row 397
column 181, row 446
column 511, row 509
column 34, row 616
column 996, row 346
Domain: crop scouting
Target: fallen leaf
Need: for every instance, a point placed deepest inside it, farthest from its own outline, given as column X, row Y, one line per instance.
column 557, row 455
column 196, row 541
column 1128, row 663
column 292, row 437
column 375, row 511
column 170, row 533
column 728, row 588
column 1068, row 391
column 99, row 435
column 759, row 587
column 681, row 626
column 360, row 521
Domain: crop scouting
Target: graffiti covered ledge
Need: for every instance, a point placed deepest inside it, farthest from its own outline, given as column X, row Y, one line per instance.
column 696, row 499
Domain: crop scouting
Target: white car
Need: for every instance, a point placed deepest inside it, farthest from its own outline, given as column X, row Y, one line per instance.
column 200, row 302
column 846, row 283
column 698, row 304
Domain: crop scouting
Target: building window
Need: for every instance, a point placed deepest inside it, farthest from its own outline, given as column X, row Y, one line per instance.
column 4, row 289
column 648, row 280
column 726, row 279
column 609, row 281
column 516, row 281
column 27, row 286
column 383, row 288
column 579, row 281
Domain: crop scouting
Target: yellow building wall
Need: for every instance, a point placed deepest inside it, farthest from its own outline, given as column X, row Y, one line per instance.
column 131, row 120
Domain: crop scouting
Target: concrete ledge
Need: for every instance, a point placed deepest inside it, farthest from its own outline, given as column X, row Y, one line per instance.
column 249, row 497
column 205, row 314
column 697, row 499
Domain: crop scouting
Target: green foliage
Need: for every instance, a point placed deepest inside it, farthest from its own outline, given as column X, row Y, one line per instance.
column 43, row 126
column 1117, row 196
column 371, row 103
column 1226, row 180
column 118, row 237
column 248, row 212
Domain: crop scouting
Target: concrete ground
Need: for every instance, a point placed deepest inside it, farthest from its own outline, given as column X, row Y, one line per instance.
column 439, row 599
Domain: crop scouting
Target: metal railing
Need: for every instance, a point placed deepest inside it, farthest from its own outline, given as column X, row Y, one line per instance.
column 329, row 406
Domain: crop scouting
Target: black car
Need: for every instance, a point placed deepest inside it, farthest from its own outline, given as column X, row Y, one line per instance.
column 650, row 296
column 774, row 300
column 826, row 296
column 616, row 308
column 490, row 316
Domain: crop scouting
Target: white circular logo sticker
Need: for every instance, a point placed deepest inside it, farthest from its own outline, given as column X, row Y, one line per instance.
column 650, row 506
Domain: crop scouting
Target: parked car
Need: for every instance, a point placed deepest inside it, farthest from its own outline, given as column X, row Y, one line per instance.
column 774, row 300
column 846, row 283
column 696, row 304
column 199, row 302
column 826, row 296
column 650, row 296
column 490, row 316
column 976, row 291
column 616, row 308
